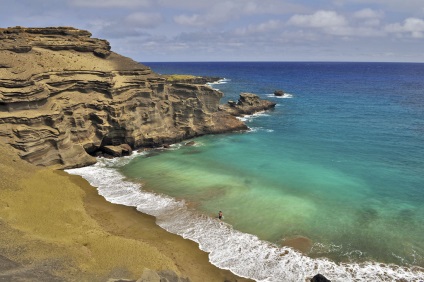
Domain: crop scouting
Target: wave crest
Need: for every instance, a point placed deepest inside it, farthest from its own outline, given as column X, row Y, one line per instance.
column 244, row 254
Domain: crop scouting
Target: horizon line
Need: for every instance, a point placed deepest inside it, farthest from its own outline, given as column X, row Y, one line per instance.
column 294, row 61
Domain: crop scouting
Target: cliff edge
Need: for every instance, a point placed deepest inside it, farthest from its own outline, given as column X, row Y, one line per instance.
column 65, row 95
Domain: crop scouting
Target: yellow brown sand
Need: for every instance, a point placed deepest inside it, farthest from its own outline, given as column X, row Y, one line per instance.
column 56, row 225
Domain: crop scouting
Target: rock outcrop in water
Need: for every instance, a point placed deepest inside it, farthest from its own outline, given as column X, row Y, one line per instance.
column 64, row 96
column 247, row 104
column 319, row 278
column 279, row 93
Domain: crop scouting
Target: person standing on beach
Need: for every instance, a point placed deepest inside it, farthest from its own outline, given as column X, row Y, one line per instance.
column 220, row 215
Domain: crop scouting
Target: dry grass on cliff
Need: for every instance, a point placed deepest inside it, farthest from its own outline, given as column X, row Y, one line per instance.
column 179, row 77
column 39, row 60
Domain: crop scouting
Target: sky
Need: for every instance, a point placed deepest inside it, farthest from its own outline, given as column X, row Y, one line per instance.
column 238, row 30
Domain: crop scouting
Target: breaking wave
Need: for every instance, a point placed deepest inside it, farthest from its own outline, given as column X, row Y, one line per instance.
column 285, row 96
column 244, row 254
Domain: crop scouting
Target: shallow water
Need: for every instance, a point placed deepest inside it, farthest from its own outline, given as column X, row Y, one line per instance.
column 340, row 161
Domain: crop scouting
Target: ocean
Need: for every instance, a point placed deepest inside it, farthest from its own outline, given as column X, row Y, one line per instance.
column 336, row 168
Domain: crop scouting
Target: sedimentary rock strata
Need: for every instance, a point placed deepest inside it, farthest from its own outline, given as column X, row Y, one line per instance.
column 65, row 95
column 192, row 79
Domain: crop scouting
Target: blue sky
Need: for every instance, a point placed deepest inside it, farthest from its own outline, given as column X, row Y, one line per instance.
column 238, row 30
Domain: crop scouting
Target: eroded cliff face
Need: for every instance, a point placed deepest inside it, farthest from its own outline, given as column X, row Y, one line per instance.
column 64, row 94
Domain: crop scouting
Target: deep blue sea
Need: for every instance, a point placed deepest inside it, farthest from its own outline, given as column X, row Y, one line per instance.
column 336, row 169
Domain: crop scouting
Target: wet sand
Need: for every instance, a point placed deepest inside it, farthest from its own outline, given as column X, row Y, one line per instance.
column 300, row 243
column 55, row 227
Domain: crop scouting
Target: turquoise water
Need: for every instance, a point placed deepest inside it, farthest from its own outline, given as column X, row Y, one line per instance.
column 340, row 161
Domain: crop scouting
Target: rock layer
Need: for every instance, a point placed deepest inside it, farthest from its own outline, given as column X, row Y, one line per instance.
column 65, row 95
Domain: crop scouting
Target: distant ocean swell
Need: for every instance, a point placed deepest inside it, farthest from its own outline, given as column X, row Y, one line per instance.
column 243, row 254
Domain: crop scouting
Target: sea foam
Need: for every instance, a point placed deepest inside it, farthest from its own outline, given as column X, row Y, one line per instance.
column 221, row 81
column 244, row 254
column 249, row 118
column 285, row 96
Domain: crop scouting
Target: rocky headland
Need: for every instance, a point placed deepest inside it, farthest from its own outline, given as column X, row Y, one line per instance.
column 65, row 96
column 192, row 79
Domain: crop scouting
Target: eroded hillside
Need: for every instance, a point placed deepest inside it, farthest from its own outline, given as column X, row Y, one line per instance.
column 65, row 95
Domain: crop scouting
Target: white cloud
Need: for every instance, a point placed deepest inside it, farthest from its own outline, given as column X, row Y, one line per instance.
column 144, row 20
column 334, row 24
column 213, row 15
column 259, row 28
column 193, row 20
column 240, row 29
column 369, row 17
column 413, row 26
column 371, row 22
column 133, row 25
column 368, row 14
column 320, row 19
column 110, row 3
column 204, row 13
column 115, row 31
column 240, row 6
column 398, row 6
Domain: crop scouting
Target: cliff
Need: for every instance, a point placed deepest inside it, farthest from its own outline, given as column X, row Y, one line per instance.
column 65, row 95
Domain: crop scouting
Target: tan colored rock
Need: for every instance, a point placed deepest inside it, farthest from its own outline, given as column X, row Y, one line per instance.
column 22, row 40
column 126, row 149
column 114, row 151
column 68, row 94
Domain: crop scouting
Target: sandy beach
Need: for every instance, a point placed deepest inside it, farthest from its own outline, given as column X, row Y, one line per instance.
column 55, row 227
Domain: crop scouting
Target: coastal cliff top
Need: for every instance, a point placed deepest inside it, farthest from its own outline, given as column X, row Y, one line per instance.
column 28, row 51
column 66, row 98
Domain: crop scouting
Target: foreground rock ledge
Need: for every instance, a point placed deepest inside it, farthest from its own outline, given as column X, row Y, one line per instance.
column 65, row 95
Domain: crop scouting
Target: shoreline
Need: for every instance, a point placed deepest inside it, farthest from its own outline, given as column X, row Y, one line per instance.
column 191, row 261
column 243, row 253
column 55, row 227
column 73, row 232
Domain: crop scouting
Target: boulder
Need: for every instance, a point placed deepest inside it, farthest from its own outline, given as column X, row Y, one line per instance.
column 231, row 103
column 101, row 53
column 190, row 143
column 279, row 93
column 248, row 99
column 126, row 149
column 90, row 148
column 115, row 151
column 319, row 278
column 247, row 104
column 20, row 48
